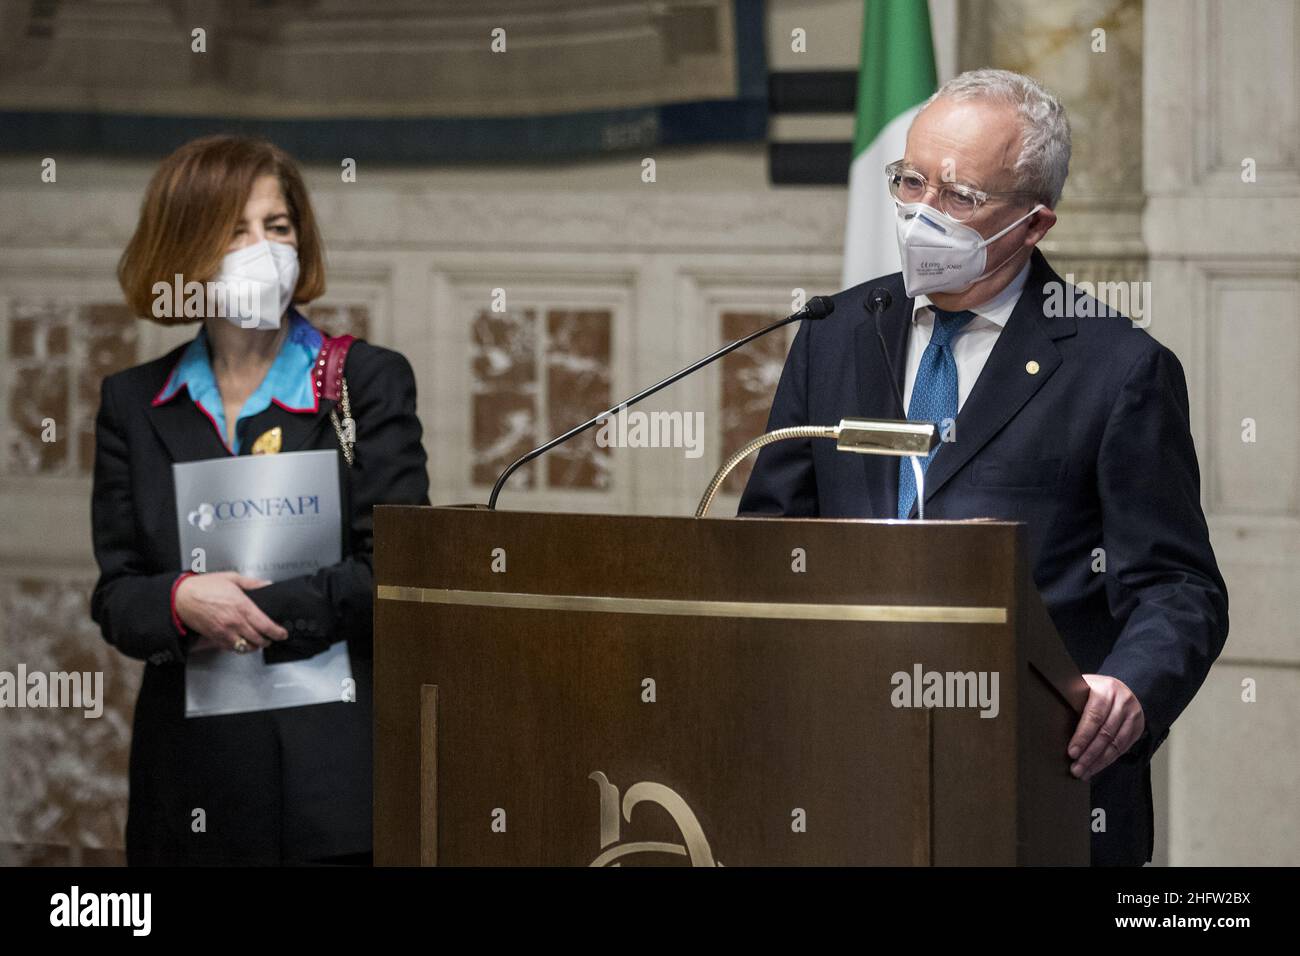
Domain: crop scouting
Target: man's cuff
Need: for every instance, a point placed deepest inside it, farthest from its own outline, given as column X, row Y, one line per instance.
column 180, row 628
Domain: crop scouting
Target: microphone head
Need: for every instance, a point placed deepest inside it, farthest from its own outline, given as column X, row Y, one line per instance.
column 818, row 307
column 878, row 300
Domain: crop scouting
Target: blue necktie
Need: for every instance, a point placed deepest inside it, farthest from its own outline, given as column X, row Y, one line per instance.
column 934, row 394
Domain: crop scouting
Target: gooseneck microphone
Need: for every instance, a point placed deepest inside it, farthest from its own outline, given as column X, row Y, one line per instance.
column 877, row 301
column 817, row 307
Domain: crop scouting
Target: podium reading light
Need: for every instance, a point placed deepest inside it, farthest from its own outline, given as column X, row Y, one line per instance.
column 862, row 435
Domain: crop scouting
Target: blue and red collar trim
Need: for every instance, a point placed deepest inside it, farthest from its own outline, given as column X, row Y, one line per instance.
column 288, row 382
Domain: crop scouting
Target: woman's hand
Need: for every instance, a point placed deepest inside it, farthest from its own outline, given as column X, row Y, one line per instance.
column 215, row 606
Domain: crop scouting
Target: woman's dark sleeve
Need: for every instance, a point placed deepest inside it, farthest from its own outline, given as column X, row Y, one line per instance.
column 336, row 603
column 131, row 604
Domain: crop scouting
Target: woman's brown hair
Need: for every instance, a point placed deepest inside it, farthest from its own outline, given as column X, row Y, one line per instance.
column 191, row 208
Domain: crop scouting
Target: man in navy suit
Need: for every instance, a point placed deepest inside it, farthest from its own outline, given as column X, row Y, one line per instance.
column 1077, row 426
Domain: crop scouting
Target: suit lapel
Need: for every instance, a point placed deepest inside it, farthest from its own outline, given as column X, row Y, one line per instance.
column 1005, row 384
column 877, row 387
column 297, row 429
column 186, row 430
column 189, row 434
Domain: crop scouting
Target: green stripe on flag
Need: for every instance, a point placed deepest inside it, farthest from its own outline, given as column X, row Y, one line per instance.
column 897, row 69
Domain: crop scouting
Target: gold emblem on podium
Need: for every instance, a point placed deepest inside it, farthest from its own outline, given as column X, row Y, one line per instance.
column 694, row 845
column 268, row 443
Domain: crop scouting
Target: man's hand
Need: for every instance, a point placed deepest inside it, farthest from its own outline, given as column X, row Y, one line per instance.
column 1112, row 722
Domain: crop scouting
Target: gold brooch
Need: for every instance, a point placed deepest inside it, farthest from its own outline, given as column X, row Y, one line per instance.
column 268, row 443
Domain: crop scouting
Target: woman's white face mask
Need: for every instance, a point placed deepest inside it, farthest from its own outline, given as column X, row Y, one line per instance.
column 255, row 285
column 940, row 254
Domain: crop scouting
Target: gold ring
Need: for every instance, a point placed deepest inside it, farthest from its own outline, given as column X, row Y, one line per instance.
column 241, row 646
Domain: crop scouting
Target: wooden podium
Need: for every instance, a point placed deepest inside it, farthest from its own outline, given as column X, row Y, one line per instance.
column 574, row 689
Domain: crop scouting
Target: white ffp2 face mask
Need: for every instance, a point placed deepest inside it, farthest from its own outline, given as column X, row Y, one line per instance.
column 255, row 285
column 940, row 254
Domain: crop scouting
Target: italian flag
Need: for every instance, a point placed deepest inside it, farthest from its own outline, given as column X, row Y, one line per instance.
column 896, row 76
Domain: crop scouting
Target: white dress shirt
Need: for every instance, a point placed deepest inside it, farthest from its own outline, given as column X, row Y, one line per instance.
column 971, row 346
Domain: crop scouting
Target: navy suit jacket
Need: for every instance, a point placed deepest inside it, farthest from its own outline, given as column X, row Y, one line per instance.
column 1092, row 451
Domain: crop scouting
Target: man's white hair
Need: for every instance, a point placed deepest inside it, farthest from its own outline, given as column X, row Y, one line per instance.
column 1044, row 160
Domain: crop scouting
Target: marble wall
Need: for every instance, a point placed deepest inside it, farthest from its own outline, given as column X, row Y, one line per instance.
column 1221, row 173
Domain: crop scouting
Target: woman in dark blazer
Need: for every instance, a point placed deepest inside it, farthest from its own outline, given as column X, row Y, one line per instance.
column 287, row 785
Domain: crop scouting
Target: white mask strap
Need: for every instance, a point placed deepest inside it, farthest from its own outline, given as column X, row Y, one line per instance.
column 999, row 235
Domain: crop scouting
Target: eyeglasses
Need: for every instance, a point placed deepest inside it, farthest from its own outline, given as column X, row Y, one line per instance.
column 957, row 200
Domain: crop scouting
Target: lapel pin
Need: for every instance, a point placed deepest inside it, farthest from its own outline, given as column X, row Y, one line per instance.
column 268, row 443
column 1031, row 367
